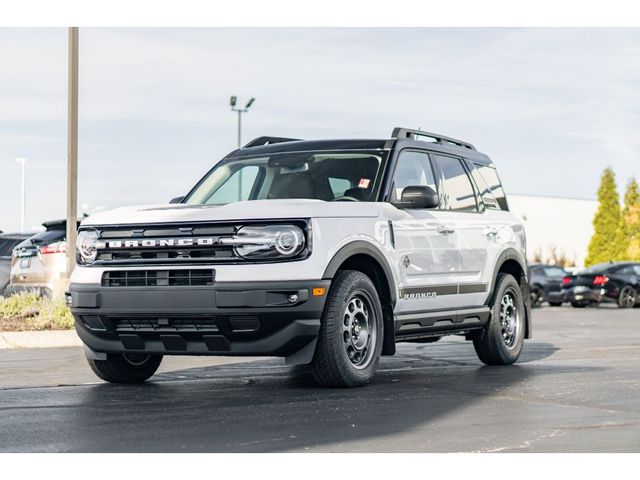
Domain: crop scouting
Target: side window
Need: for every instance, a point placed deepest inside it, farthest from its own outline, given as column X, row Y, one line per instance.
column 491, row 180
column 413, row 169
column 457, row 187
column 237, row 187
column 485, row 192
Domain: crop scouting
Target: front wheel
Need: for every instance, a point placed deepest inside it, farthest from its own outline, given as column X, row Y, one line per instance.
column 628, row 297
column 351, row 333
column 502, row 339
column 555, row 304
column 126, row 368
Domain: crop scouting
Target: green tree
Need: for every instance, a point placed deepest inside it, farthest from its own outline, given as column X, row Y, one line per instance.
column 607, row 241
column 630, row 222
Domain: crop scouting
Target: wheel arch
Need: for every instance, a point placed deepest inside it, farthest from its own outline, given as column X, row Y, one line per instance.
column 512, row 262
column 366, row 258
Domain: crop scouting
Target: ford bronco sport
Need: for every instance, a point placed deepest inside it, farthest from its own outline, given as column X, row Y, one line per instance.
column 324, row 252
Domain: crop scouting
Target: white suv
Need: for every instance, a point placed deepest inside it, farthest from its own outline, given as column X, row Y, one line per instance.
column 325, row 252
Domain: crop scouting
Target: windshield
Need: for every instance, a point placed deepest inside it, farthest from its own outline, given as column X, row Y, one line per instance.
column 324, row 175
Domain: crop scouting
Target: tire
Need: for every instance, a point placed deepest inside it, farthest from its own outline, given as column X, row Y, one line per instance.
column 537, row 298
column 578, row 304
column 555, row 304
column 628, row 297
column 344, row 356
column 126, row 368
column 500, row 343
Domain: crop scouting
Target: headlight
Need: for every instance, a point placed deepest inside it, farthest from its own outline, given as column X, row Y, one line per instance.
column 273, row 241
column 86, row 246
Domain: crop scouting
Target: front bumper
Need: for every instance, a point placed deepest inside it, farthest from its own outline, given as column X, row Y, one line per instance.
column 232, row 318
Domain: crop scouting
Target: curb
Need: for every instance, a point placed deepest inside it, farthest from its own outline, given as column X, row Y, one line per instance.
column 44, row 339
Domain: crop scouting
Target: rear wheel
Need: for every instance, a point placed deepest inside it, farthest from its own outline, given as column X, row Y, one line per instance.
column 555, row 304
column 126, row 368
column 628, row 297
column 579, row 304
column 350, row 339
column 502, row 339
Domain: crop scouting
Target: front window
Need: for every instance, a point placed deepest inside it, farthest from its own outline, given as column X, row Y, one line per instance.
column 323, row 175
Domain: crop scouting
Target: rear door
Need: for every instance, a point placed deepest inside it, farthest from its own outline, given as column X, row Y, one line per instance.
column 463, row 213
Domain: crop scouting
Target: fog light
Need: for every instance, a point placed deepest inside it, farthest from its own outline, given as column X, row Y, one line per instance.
column 293, row 298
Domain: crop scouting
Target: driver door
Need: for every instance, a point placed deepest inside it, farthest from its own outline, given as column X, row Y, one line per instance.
column 427, row 252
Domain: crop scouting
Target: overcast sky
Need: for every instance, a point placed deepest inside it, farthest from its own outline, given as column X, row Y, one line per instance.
column 551, row 107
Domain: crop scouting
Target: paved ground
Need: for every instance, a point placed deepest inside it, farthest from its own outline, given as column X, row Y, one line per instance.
column 576, row 389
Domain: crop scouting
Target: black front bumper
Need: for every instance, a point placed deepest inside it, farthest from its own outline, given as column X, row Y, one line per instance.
column 234, row 318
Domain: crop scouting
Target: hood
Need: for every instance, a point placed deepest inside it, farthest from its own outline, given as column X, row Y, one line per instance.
column 247, row 210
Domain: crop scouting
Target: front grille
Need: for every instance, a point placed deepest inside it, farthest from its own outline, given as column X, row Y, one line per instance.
column 131, row 239
column 158, row 278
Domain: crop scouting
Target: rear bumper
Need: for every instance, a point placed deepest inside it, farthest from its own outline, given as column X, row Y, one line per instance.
column 235, row 318
column 589, row 295
column 43, row 290
column 555, row 296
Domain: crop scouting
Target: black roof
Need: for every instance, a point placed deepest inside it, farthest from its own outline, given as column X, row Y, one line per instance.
column 401, row 138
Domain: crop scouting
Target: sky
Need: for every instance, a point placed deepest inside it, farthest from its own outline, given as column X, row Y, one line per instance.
column 551, row 107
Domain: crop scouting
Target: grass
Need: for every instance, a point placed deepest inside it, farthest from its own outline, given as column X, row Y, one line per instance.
column 30, row 311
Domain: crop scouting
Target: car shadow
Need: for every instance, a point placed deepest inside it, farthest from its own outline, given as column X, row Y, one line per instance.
column 266, row 406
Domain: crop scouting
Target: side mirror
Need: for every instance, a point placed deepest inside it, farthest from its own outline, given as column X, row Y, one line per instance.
column 176, row 200
column 418, row 196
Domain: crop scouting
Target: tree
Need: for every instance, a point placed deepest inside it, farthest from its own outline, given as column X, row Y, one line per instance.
column 630, row 222
column 607, row 241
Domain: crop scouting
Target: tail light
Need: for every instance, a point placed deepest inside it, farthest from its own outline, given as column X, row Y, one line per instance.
column 566, row 281
column 58, row 247
column 600, row 280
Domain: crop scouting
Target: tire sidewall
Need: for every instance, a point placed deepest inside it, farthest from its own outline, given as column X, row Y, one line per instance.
column 508, row 355
column 346, row 286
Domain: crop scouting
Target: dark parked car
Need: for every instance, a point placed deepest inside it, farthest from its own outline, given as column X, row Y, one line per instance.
column 606, row 282
column 546, row 284
column 7, row 242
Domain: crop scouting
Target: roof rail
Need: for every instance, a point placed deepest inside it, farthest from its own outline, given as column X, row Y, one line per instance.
column 400, row 132
column 256, row 142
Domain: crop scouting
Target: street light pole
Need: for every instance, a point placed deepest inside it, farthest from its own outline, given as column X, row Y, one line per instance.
column 23, row 197
column 72, row 151
column 240, row 112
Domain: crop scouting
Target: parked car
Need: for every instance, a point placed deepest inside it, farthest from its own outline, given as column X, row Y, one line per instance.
column 324, row 252
column 39, row 262
column 545, row 284
column 7, row 243
column 617, row 282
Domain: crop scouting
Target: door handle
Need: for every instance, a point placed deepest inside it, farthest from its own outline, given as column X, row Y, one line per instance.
column 491, row 232
column 446, row 229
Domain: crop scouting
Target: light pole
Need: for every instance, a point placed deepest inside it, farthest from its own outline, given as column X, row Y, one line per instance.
column 23, row 199
column 72, row 151
column 240, row 112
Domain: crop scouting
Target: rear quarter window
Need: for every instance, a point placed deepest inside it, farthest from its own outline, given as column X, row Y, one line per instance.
column 490, row 183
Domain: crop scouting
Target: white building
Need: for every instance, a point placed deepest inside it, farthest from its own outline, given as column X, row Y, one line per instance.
column 563, row 224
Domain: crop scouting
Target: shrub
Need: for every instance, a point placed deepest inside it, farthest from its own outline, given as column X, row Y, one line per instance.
column 30, row 311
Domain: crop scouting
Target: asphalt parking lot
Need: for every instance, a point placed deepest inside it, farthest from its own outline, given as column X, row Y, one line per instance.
column 576, row 389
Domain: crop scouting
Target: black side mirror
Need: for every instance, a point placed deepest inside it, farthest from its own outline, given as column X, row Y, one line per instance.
column 418, row 196
column 176, row 200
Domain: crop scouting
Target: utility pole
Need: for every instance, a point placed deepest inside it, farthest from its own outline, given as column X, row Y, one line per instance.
column 240, row 112
column 72, row 151
column 23, row 196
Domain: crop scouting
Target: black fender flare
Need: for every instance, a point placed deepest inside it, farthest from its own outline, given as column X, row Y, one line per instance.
column 361, row 247
column 358, row 247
